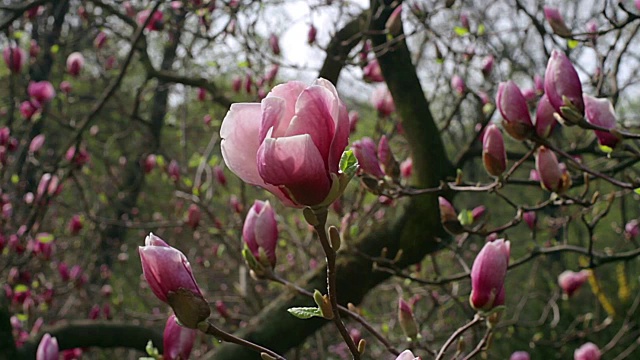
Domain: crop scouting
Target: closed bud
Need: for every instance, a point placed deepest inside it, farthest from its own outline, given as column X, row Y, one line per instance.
column 75, row 63
column 458, row 85
column 149, row 163
column 553, row 177
column 170, row 277
column 407, row 355
column 100, row 40
column 383, row 101
column 406, row 168
column 600, row 112
column 311, row 35
column 260, row 233
column 177, row 340
column 571, row 281
column 65, row 87
column 372, row 72
column 236, row 84
column 488, row 274
column 478, row 212
column 449, row 217
column 48, row 348
column 218, row 172
column 406, row 320
column 15, row 58
column 556, row 21
column 563, row 87
column 545, row 118
column 365, row 151
column 36, row 143
column 202, row 94
column 387, row 161
column 193, row 216
column 394, row 22
column 520, row 355
column 173, row 169
column 494, row 155
column 514, row 109
column 274, row 43
column 632, row 229
column 487, row 65
column 530, row 219
column 588, row 351
column 41, row 92
column 155, row 24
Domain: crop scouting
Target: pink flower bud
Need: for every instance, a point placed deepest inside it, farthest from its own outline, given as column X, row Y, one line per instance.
column 545, row 121
column 33, row 12
column 407, row 355
column 110, row 63
column 552, row 176
column 556, row 21
column 487, row 275
column 63, row 270
column 365, row 151
column 65, row 87
column 75, row 63
column 36, row 143
column 173, row 169
column 94, row 313
column 248, row 84
column 236, row 84
column 600, row 112
column 311, row 35
column 354, row 117
column 48, row 348
column 464, row 21
column 193, row 216
column 588, row 351
column 520, row 355
column 383, row 101
column 632, row 228
column 394, row 22
column 515, row 112
column 372, row 72
column 387, row 161
column 295, row 160
column 149, row 163
column 494, row 155
column 202, row 94
column 15, row 58
column 222, row 310
column 487, row 65
column 571, row 281
column 155, row 24
column 561, row 81
column 100, row 40
column 177, row 341
column 170, row 277
column 274, row 43
column 457, row 84
column 406, row 168
column 530, row 218
column 406, row 319
column 77, row 158
column 272, row 72
column 75, row 224
column 27, row 109
column 478, row 212
column 260, row 232
column 218, row 172
column 41, row 91
column 129, row 9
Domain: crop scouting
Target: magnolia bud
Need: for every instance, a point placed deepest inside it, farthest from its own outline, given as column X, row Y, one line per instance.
column 311, row 35
column 36, row 143
column 520, row 355
column 588, row 351
column 545, row 120
column 488, row 274
column 260, row 233
column 173, row 169
column 600, row 112
column 48, row 348
column 571, row 281
column 556, row 21
column 15, row 58
column 394, row 22
column 457, row 84
column 193, row 216
column 487, row 65
column 365, row 151
column 563, row 87
column 530, row 218
column 372, row 72
column 75, row 63
column 407, row 355
column 274, row 43
column 100, row 40
column 494, row 155
column 449, row 217
column 515, row 112
column 406, row 320
column 383, row 101
column 177, row 340
column 552, row 176
column 41, row 92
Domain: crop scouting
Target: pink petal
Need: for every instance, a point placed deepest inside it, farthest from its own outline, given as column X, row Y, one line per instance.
column 240, row 141
column 289, row 92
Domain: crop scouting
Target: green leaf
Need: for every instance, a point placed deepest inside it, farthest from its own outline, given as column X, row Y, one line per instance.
column 20, row 288
column 45, row 238
column 18, row 35
column 15, row 178
column 348, row 163
column 160, row 160
column 305, row 312
column 465, row 217
column 55, row 48
column 151, row 351
column 481, row 29
column 606, row 149
column 460, row 31
column 572, row 43
column 243, row 64
column 637, row 191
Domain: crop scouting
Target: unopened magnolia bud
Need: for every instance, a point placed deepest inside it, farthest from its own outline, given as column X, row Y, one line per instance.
column 588, row 351
column 556, row 21
column 494, row 155
column 406, row 320
column 571, row 281
column 514, row 109
column 600, row 112
column 563, row 88
column 449, row 217
column 394, row 22
column 488, row 274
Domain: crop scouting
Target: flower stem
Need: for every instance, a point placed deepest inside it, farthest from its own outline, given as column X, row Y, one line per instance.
column 321, row 215
column 210, row 329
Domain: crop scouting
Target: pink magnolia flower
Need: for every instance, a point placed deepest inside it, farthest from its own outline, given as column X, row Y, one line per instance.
column 78, row 158
column 394, row 22
column 65, row 87
column 75, row 63
column 513, row 107
column 406, row 168
column 15, row 58
column 36, row 143
column 571, row 281
column 556, row 21
column 383, row 101
column 193, row 216
column 202, row 94
column 149, row 163
column 406, row 319
column 561, row 82
column 311, row 34
column 487, row 275
column 372, row 72
column 48, row 348
column 260, row 232
column 588, row 351
column 41, row 92
column 457, row 84
column 366, row 153
column 520, row 355
column 173, row 169
column 28, row 109
column 274, row 43
column 291, row 143
column 494, row 155
column 530, row 218
column 487, row 65
column 177, row 340
column 170, row 277
column 545, row 121
column 600, row 112
column 155, row 24
column 407, row 355
column 100, row 40
column 75, row 224
column 552, row 176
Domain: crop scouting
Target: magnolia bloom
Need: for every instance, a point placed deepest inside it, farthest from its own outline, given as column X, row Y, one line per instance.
column 600, row 112
column 100, row 40
column 48, row 348
column 260, row 232
column 487, row 65
column 571, row 281
column 36, row 143
column 366, row 153
column 488, row 274
column 291, row 143
column 513, row 107
column 520, row 355
column 406, row 168
column 407, row 355
column 561, row 82
column 372, row 72
column 545, row 121
column 177, row 340
column 170, row 277
column 14, row 57
column 457, row 84
column 75, row 63
column 311, row 34
column 156, row 22
column 41, row 92
column 588, row 351
column 530, row 218
column 193, row 216
column 556, row 21
column 552, row 176
column 494, row 156
column 383, row 101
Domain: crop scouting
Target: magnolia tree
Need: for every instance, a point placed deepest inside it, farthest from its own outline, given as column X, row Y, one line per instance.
column 469, row 189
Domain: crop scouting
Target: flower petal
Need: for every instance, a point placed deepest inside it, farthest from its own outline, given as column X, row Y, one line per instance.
column 240, row 141
column 289, row 92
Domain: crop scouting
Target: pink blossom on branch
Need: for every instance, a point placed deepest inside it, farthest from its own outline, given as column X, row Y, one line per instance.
column 407, row 355
column 494, row 156
column 260, row 233
column 588, row 351
column 563, row 87
column 48, row 348
column 177, row 340
column 291, row 143
column 366, row 153
column 556, row 21
column 488, row 274
column 600, row 112
column 515, row 112
column 571, row 281
column 75, row 63
column 15, row 58
column 383, row 101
